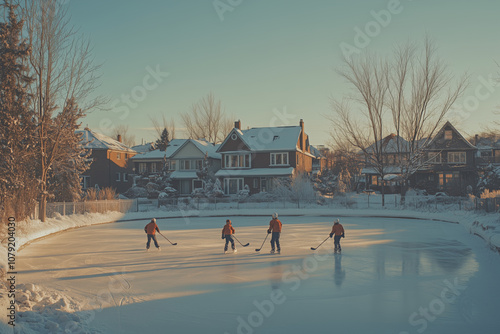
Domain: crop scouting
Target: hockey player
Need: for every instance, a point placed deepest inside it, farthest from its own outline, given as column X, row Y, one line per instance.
column 227, row 233
column 151, row 229
column 338, row 231
column 275, row 228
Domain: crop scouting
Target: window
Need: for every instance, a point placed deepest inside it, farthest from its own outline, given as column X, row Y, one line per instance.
column 374, row 180
column 185, row 164
column 447, row 180
column 199, row 164
column 448, row 134
column 237, row 161
column 434, row 158
column 125, row 177
column 85, row 181
column 118, row 156
column 172, row 165
column 233, row 185
column 153, row 167
column 279, row 159
column 256, row 183
column 456, row 158
column 142, row 167
column 118, row 178
column 197, row 184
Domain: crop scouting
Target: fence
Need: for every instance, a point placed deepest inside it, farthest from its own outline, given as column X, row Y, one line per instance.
column 102, row 206
column 350, row 201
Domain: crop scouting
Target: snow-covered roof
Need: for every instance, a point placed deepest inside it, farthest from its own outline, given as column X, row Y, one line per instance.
column 93, row 140
column 390, row 144
column 316, row 153
column 172, row 147
column 278, row 138
column 143, row 148
column 207, row 148
column 183, row 175
column 255, row 172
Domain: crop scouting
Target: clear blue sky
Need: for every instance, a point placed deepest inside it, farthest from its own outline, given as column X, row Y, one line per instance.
column 267, row 56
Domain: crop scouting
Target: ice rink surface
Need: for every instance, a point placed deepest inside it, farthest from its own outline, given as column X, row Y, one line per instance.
column 394, row 276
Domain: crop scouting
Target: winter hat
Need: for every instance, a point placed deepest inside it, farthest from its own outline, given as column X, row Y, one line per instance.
column 337, row 221
column 153, row 220
column 275, row 215
column 228, row 221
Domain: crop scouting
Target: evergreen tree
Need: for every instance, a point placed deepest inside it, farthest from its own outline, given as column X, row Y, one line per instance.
column 162, row 143
column 17, row 127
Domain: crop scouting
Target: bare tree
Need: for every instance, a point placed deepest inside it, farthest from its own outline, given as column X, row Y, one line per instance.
column 123, row 131
column 62, row 66
column 360, row 119
column 207, row 120
column 420, row 95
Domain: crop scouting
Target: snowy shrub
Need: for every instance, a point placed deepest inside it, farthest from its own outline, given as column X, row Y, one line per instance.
column 244, row 193
column 198, row 193
column 136, row 192
column 490, row 180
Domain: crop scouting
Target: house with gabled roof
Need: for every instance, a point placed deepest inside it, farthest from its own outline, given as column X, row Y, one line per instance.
column 184, row 157
column 110, row 165
column 450, row 163
column 256, row 157
column 152, row 162
column 188, row 159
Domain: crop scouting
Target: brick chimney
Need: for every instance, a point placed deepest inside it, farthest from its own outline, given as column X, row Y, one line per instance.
column 237, row 124
column 302, row 136
column 119, row 138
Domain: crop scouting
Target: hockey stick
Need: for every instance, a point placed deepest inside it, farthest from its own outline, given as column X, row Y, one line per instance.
column 173, row 243
column 312, row 248
column 240, row 242
column 258, row 249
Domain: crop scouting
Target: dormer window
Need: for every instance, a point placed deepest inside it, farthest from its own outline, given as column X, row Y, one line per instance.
column 448, row 135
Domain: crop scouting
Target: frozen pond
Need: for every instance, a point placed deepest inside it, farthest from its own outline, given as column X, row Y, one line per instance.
column 394, row 276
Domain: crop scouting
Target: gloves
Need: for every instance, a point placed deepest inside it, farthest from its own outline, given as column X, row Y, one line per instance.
column 268, row 232
column 222, row 237
column 343, row 235
column 331, row 235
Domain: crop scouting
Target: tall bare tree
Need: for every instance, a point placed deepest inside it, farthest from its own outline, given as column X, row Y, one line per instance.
column 62, row 65
column 420, row 95
column 169, row 125
column 207, row 120
column 360, row 119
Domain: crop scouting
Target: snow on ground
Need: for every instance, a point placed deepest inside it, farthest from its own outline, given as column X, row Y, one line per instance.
column 84, row 283
column 395, row 276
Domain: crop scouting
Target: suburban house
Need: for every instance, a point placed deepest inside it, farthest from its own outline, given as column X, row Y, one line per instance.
column 110, row 162
column 488, row 151
column 448, row 164
column 184, row 157
column 152, row 162
column 188, row 159
column 392, row 149
column 256, row 157
column 319, row 162
column 451, row 164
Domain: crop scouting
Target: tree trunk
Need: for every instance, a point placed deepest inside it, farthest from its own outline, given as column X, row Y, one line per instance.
column 383, row 192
